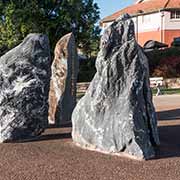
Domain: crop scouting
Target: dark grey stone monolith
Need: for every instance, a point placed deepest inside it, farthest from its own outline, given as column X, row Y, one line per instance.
column 24, row 85
column 117, row 115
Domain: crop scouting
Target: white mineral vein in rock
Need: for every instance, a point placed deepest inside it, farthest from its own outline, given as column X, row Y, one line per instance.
column 24, row 85
column 20, row 84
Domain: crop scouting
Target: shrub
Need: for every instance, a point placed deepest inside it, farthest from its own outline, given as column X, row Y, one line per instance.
column 165, row 63
column 87, row 70
column 168, row 67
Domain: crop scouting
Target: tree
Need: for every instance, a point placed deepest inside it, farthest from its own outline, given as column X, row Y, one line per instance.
column 53, row 17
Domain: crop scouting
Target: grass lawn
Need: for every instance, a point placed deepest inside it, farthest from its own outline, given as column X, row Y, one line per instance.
column 79, row 95
column 167, row 91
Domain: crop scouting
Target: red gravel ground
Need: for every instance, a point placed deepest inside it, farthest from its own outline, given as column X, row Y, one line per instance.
column 54, row 157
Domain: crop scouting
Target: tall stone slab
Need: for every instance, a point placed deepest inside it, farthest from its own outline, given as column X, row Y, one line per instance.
column 117, row 115
column 62, row 95
column 24, row 86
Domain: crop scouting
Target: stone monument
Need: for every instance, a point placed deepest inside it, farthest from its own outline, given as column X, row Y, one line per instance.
column 24, row 85
column 62, row 95
column 117, row 115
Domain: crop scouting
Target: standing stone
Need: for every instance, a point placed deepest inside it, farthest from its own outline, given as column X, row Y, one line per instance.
column 117, row 114
column 24, row 86
column 62, row 95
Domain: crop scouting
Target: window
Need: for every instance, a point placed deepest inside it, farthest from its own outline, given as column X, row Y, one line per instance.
column 175, row 14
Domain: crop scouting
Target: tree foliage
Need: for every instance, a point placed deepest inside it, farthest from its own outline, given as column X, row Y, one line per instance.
column 53, row 17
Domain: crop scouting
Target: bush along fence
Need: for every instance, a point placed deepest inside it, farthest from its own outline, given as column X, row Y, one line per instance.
column 164, row 63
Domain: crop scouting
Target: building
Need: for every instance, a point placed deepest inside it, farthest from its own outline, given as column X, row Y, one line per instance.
column 154, row 20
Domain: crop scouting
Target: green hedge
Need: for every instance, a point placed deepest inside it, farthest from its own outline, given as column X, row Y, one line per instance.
column 156, row 59
column 87, row 70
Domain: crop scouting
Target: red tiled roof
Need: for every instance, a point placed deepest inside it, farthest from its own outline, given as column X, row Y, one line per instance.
column 144, row 7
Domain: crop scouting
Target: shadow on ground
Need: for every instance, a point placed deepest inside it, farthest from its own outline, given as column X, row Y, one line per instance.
column 169, row 115
column 169, row 135
column 62, row 126
column 51, row 133
column 46, row 137
column 170, row 142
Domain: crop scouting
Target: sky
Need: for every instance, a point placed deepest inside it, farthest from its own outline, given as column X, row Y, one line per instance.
column 108, row 7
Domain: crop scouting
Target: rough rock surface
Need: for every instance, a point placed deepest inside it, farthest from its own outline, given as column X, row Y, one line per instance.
column 117, row 115
column 24, row 85
column 62, row 95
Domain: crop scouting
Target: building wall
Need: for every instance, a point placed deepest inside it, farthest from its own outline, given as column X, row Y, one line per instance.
column 148, row 27
column 170, row 24
column 105, row 25
column 169, row 35
column 146, row 36
column 157, row 26
column 148, row 23
column 171, row 28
